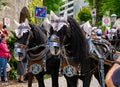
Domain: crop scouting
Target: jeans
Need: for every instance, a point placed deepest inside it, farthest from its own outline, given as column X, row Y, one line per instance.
column 3, row 64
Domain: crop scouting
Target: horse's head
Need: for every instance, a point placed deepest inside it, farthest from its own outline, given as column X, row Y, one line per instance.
column 60, row 27
column 58, row 31
column 28, row 35
column 20, row 45
column 68, row 35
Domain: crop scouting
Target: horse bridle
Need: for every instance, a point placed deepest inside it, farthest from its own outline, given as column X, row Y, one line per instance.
column 67, row 69
column 21, row 48
column 56, row 29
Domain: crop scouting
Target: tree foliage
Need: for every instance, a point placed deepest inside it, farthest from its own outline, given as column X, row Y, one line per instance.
column 105, row 5
column 53, row 5
column 2, row 3
column 13, row 63
column 116, row 6
column 84, row 14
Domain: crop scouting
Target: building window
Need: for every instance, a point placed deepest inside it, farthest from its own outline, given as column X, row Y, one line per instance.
column 70, row 11
column 61, row 14
column 61, row 9
column 71, row 5
column 71, row 16
column 70, row 0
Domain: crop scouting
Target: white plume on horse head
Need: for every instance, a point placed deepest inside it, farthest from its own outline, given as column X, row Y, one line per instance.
column 53, row 16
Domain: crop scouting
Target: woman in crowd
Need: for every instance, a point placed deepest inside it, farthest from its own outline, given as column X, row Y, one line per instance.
column 22, row 69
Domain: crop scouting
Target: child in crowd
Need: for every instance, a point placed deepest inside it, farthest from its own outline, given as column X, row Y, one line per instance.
column 4, row 57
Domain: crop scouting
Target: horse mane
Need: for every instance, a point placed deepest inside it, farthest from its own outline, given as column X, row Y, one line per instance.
column 78, row 41
column 39, row 35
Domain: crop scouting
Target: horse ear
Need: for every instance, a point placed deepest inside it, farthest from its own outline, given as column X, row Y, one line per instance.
column 65, row 16
column 47, row 21
column 47, row 24
column 53, row 16
column 18, row 24
column 26, row 22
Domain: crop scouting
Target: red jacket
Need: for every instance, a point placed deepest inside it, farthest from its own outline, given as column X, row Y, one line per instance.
column 4, row 51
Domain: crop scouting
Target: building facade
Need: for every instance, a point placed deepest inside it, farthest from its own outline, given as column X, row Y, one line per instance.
column 72, row 7
column 12, row 11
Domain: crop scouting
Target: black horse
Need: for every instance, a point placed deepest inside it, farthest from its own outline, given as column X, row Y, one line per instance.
column 77, row 63
column 115, row 41
column 108, row 53
column 74, row 50
column 33, row 41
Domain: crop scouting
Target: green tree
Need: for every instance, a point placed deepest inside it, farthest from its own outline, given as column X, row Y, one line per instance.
column 115, row 7
column 84, row 14
column 3, row 3
column 53, row 5
column 105, row 5
column 13, row 62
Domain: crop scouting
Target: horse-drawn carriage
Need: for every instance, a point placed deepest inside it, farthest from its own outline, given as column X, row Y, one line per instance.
column 66, row 51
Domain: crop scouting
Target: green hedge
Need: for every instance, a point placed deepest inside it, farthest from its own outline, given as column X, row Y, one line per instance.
column 13, row 63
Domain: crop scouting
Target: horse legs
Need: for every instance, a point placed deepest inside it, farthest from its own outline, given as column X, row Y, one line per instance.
column 30, row 78
column 86, row 79
column 97, row 74
column 86, row 73
column 71, row 81
column 55, row 79
column 40, row 79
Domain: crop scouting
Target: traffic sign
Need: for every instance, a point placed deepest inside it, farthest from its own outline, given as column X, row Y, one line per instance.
column 40, row 12
column 106, row 21
column 93, row 13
